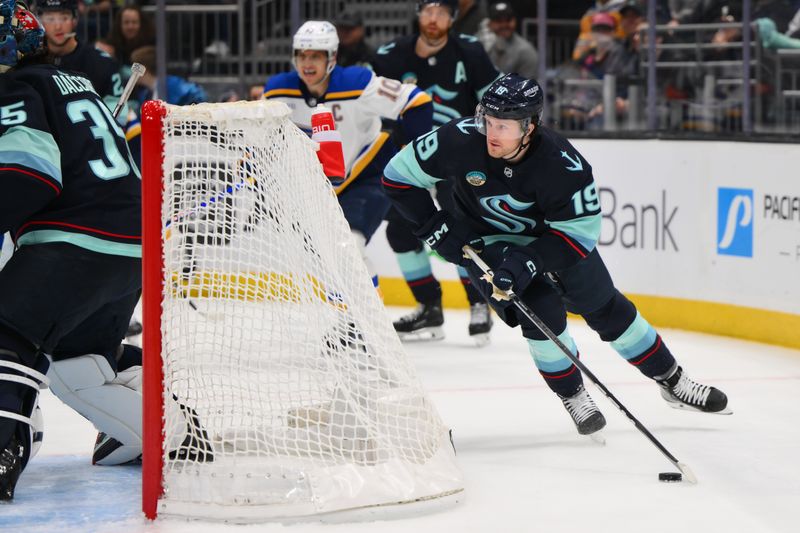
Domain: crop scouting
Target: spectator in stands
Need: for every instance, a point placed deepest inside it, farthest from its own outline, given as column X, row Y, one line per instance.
column 179, row 90
column 581, row 99
column 228, row 96
column 256, row 92
column 624, row 62
column 97, row 14
column 132, row 29
column 604, row 28
column 353, row 48
column 631, row 16
column 585, row 40
column 468, row 20
column 508, row 51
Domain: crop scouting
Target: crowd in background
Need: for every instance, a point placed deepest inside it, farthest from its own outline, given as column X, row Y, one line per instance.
column 608, row 39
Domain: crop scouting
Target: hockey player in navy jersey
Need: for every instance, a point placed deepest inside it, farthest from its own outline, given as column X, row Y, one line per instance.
column 358, row 99
column 455, row 70
column 60, row 19
column 71, row 200
column 526, row 199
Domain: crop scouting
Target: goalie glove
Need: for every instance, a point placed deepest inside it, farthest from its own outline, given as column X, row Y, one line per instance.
column 517, row 271
column 445, row 235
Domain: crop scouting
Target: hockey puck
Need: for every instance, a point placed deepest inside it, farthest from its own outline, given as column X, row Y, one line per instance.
column 670, row 477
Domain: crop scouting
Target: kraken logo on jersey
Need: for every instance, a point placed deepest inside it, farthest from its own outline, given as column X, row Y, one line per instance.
column 475, row 178
column 576, row 166
column 504, row 219
column 441, row 112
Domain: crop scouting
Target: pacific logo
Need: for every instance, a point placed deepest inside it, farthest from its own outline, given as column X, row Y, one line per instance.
column 735, row 222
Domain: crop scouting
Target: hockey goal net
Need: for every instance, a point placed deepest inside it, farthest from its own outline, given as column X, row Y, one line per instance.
column 275, row 385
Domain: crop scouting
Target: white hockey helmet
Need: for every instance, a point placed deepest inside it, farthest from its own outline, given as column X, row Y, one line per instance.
column 317, row 35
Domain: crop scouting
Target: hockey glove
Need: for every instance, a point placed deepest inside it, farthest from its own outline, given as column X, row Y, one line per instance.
column 447, row 237
column 517, row 270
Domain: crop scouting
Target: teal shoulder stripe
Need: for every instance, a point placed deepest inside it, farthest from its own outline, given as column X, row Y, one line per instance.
column 32, row 148
column 84, row 241
column 404, row 168
column 585, row 230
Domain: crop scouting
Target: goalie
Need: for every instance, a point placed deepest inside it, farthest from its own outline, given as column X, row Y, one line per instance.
column 71, row 201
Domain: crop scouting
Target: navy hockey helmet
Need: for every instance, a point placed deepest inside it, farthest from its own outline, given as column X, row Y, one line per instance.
column 452, row 4
column 511, row 97
column 21, row 33
column 59, row 5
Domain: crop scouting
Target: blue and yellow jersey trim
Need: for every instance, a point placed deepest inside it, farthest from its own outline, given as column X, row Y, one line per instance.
column 363, row 160
column 416, row 99
column 346, row 83
column 294, row 93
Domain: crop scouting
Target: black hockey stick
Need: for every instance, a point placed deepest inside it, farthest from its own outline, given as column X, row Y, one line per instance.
column 688, row 475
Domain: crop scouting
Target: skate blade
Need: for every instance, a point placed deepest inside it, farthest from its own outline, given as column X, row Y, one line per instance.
column 686, row 407
column 481, row 339
column 598, row 438
column 425, row 334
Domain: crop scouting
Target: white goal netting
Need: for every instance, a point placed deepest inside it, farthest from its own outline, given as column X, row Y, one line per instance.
column 286, row 390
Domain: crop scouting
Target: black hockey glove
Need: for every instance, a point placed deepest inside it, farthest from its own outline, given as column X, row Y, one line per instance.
column 447, row 237
column 517, row 271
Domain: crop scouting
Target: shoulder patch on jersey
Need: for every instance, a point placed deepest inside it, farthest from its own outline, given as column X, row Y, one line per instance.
column 347, row 79
column 476, row 178
column 284, row 80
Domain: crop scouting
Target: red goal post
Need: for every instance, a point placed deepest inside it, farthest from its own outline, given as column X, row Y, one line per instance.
column 274, row 384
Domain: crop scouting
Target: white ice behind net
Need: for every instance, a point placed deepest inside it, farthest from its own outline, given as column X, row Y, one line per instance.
column 287, row 391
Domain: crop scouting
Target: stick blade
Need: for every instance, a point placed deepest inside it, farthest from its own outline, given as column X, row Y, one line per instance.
column 688, row 475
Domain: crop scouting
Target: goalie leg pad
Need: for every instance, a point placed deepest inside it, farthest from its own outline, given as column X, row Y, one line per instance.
column 111, row 401
column 20, row 416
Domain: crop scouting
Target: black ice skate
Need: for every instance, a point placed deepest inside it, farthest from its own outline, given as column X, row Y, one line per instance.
column 10, row 468
column 480, row 323
column 106, row 450
column 681, row 392
column 425, row 323
column 587, row 417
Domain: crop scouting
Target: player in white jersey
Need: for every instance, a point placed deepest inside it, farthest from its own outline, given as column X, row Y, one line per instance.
column 358, row 99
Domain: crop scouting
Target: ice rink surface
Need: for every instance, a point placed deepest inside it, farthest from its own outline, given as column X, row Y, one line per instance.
column 525, row 467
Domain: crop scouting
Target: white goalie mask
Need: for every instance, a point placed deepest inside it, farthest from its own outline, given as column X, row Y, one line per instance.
column 316, row 35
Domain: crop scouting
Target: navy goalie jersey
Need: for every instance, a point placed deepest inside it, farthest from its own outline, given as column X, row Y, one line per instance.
column 547, row 200
column 60, row 143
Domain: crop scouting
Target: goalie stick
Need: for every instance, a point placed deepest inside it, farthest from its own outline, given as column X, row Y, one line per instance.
column 137, row 70
column 688, row 475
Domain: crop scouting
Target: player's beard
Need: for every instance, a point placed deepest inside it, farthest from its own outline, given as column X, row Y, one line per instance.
column 432, row 34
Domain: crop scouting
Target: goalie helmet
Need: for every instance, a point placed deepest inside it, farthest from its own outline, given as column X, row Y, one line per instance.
column 21, row 34
column 317, row 35
column 511, row 97
column 452, row 4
